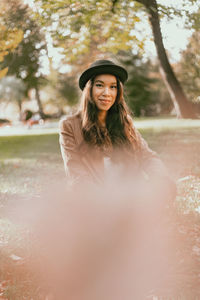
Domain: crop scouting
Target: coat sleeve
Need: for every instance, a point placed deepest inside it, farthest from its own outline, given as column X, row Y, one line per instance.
column 74, row 167
column 150, row 161
column 155, row 170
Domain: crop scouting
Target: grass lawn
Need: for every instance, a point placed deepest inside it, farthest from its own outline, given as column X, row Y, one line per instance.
column 31, row 163
column 26, row 162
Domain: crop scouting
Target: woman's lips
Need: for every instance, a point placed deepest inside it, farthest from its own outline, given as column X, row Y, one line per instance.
column 104, row 101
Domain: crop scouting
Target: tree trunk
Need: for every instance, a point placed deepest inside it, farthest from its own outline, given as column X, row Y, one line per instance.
column 40, row 109
column 19, row 102
column 184, row 108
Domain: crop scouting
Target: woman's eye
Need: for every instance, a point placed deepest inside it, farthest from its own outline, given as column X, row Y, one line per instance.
column 113, row 87
column 98, row 84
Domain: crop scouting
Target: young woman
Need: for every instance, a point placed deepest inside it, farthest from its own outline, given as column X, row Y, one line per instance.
column 101, row 135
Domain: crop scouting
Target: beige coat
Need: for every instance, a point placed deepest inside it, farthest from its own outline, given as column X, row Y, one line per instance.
column 82, row 161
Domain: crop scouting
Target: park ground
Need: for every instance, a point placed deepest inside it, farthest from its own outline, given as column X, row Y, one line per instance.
column 30, row 161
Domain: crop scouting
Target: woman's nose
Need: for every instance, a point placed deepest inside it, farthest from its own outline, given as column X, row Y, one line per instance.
column 106, row 91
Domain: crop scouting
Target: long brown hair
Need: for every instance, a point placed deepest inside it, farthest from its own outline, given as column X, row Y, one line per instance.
column 119, row 130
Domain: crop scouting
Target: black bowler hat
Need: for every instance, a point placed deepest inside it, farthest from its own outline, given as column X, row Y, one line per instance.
column 102, row 67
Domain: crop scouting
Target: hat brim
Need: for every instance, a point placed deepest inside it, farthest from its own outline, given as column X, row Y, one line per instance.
column 115, row 70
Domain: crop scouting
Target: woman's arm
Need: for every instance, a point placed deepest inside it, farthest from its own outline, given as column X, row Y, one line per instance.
column 74, row 167
column 151, row 163
column 155, row 170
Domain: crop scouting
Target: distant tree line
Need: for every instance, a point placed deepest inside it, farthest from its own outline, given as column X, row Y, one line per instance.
column 86, row 32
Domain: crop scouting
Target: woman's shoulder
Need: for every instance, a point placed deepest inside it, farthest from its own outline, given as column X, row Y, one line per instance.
column 70, row 120
column 71, row 126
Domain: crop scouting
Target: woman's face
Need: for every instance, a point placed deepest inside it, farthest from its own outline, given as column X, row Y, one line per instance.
column 104, row 91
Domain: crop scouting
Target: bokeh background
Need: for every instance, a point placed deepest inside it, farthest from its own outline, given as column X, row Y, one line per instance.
column 44, row 47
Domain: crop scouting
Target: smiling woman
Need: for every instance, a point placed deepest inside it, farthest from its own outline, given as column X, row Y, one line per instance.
column 103, row 131
column 104, row 93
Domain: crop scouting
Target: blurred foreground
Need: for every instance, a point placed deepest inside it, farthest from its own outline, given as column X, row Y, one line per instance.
column 52, row 239
column 120, row 240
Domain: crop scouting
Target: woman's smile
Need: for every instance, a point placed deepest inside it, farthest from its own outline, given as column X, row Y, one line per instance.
column 104, row 91
column 104, row 101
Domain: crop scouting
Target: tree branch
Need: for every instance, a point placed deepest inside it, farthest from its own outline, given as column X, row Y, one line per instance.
column 114, row 2
column 144, row 2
